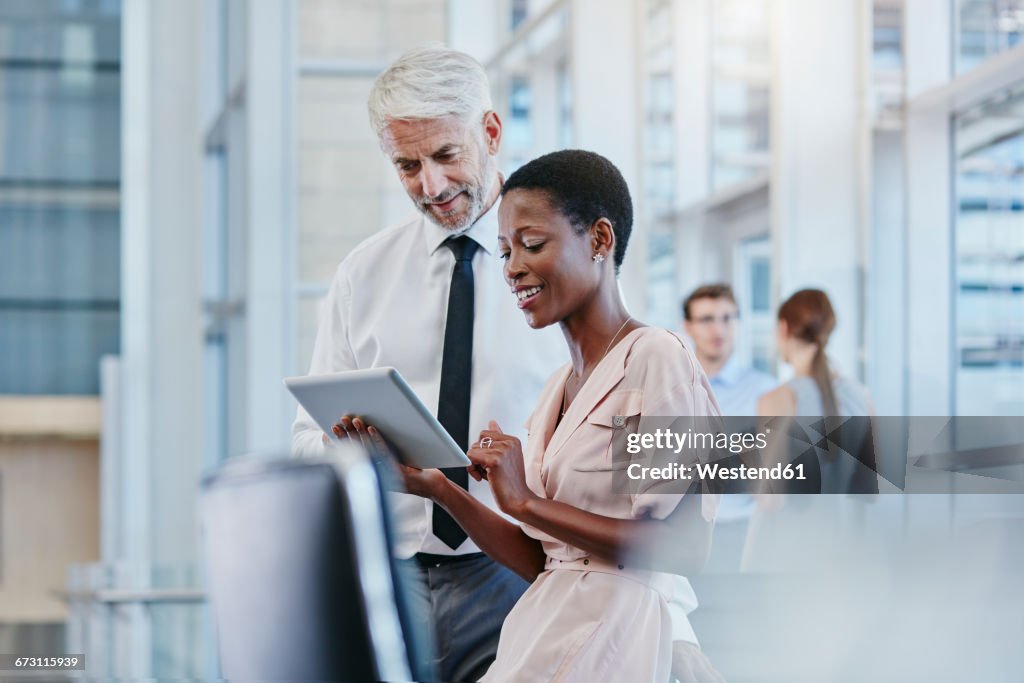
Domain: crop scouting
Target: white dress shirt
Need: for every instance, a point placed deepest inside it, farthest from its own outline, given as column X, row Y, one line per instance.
column 737, row 388
column 387, row 306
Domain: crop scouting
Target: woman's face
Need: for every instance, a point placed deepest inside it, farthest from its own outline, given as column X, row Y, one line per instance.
column 548, row 264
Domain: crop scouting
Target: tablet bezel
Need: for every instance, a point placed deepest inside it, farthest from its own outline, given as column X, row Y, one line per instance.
column 385, row 400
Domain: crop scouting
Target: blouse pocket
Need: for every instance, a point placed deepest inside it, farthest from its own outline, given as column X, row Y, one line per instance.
column 610, row 422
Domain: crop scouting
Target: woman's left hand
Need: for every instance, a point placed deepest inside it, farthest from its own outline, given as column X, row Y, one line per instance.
column 498, row 458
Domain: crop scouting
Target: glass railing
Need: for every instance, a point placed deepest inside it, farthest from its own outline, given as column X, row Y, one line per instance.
column 132, row 624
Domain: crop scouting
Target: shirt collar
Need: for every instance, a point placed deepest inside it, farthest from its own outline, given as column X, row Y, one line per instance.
column 484, row 232
column 730, row 372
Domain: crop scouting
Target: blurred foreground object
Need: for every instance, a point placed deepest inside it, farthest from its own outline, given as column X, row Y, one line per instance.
column 300, row 574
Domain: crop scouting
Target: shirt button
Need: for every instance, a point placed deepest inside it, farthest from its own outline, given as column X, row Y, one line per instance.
column 586, row 561
column 621, row 567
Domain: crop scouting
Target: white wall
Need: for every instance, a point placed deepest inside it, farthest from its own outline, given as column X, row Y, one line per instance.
column 815, row 209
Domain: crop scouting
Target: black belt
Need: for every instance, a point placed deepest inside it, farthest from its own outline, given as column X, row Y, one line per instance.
column 431, row 560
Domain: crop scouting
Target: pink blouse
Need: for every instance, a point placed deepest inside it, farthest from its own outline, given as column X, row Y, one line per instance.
column 650, row 372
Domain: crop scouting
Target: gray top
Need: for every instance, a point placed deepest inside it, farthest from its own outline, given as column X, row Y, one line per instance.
column 838, row 471
column 851, row 396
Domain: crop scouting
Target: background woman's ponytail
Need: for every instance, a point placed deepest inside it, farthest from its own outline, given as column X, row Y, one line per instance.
column 823, row 377
column 808, row 316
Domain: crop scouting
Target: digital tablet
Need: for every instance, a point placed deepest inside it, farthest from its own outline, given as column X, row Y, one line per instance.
column 381, row 398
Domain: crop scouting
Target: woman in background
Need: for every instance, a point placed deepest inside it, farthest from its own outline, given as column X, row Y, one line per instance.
column 806, row 321
column 815, row 527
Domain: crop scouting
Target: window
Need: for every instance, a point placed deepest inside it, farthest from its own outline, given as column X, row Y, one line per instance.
column 520, row 9
column 985, row 28
column 741, row 91
column 753, row 267
column 659, row 178
column 346, row 189
column 887, row 35
column 565, row 128
column 60, row 128
column 659, row 152
column 518, row 132
column 989, row 267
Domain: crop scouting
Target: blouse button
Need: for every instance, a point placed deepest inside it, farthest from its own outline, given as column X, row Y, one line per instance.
column 586, row 561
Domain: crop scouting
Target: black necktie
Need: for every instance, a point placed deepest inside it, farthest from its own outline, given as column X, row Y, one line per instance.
column 456, row 376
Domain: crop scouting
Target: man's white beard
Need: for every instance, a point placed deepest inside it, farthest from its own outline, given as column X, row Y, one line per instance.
column 476, row 204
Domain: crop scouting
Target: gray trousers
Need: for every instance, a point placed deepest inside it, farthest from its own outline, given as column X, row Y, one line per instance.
column 467, row 601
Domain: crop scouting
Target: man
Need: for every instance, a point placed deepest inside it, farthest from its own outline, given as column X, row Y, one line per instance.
column 429, row 299
column 710, row 319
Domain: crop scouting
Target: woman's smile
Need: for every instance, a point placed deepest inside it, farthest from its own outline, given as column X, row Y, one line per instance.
column 526, row 296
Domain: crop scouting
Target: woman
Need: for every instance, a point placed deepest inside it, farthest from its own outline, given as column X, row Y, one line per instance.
column 806, row 321
column 597, row 605
column 813, row 529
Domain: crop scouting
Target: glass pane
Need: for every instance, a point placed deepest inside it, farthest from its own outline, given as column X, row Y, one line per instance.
column 55, row 349
column 887, row 35
column 518, row 11
column 755, row 344
column 662, row 292
column 989, row 268
column 741, row 95
column 58, row 252
column 760, row 285
column 985, row 28
column 659, row 176
column 341, row 173
column 517, row 135
column 565, row 127
column 60, row 108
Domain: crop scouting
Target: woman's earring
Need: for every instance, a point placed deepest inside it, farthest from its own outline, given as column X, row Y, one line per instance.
column 599, row 258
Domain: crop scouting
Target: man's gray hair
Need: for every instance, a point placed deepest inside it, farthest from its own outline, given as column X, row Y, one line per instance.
column 430, row 82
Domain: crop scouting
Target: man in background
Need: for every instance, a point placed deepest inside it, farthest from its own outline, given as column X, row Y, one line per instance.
column 711, row 320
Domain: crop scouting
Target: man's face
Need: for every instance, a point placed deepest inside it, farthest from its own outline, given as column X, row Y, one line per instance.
column 712, row 326
column 448, row 168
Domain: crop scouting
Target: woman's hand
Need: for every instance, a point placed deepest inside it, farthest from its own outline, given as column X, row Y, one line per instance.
column 425, row 483
column 498, row 458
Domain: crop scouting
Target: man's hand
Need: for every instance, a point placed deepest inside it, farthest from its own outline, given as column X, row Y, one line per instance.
column 498, row 458
column 425, row 483
column 354, row 428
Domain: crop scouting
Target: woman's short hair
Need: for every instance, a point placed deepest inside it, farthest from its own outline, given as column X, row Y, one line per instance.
column 430, row 82
column 582, row 186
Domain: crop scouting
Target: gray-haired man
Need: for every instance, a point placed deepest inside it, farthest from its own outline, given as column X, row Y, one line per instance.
column 389, row 305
